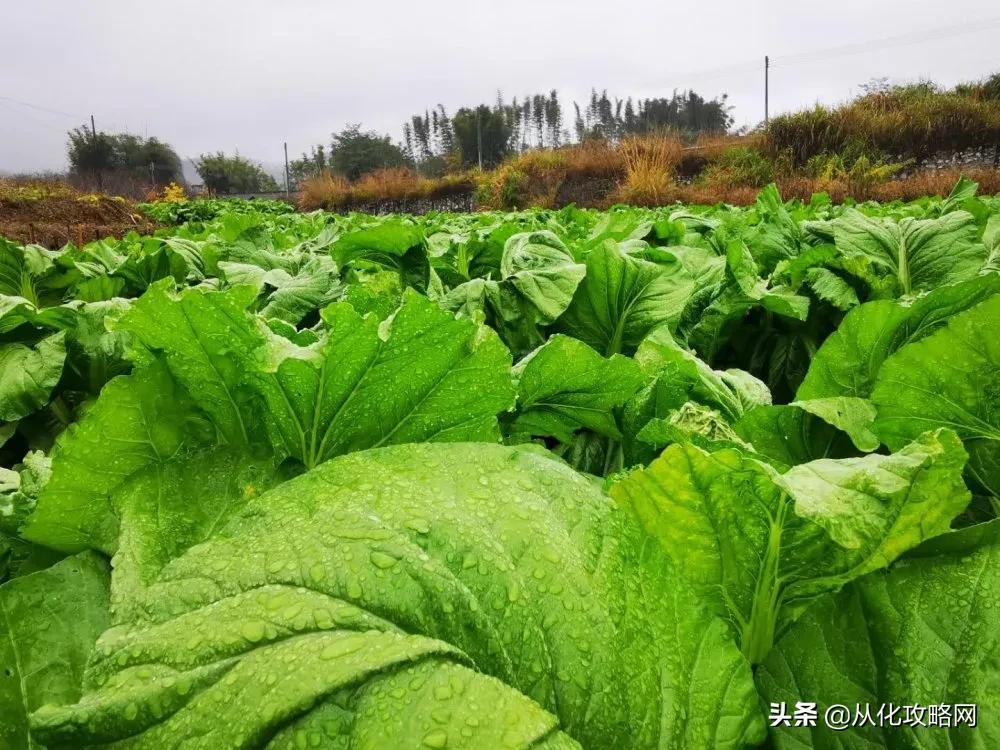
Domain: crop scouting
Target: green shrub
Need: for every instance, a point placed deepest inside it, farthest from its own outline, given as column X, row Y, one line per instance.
column 745, row 167
column 501, row 189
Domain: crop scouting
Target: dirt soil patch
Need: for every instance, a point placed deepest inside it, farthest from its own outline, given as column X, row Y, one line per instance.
column 54, row 221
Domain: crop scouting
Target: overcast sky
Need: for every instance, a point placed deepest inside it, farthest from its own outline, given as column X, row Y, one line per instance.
column 248, row 74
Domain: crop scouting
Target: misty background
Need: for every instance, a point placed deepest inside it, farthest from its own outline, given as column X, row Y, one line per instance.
column 246, row 76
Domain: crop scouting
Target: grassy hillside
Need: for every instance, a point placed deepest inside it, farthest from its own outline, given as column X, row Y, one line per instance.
column 889, row 144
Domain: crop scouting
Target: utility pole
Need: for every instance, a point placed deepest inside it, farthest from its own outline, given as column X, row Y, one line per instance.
column 479, row 139
column 767, row 71
column 288, row 191
column 152, row 175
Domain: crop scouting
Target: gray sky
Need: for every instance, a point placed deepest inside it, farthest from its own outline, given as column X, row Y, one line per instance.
column 248, row 74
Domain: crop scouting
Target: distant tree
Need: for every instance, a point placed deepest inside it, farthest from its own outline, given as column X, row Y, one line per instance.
column 132, row 156
column 686, row 111
column 353, row 152
column 429, row 141
column 630, row 121
column 579, row 124
column 308, row 166
column 433, row 141
column 89, row 153
column 492, row 125
column 553, row 119
column 525, row 123
column 538, row 116
column 233, row 174
column 149, row 156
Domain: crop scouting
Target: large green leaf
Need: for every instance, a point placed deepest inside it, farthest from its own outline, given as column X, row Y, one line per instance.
column 97, row 351
column 133, row 266
column 15, row 311
column 684, row 397
column 421, row 375
column 50, row 621
column 950, row 378
column 760, row 545
column 314, row 286
column 459, row 596
column 714, row 310
column 23, row 271
column 925, row 633
column 390, row 243
column 468, row 300
column 388, row 238
column 93, row 353
column 538, row 278
column 622, row 299
column 963, row 191
column 692, row 423
column 170, row 506
column 565, row 386
column 19, row 490
column 778, row 300
column 28, row 374
column 137, row 421
column 543, row 271
column 207, row 341
column 835, row 427
column 849, row 361
column 909, row 256
column 731, row 391
column 829, row 287
column 778, row 235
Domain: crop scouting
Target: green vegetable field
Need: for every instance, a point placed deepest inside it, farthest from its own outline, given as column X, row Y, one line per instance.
column 553, row 479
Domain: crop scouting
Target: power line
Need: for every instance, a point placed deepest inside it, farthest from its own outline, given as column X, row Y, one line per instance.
column 33, row 118
column 899, row 40
column 42, row 109
column 753, row 66
column 79, row 118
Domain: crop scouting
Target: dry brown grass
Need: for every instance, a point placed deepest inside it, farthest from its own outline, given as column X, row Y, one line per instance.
column 532, row 178
column 918, row 185
column 506, row 188
column 939, row 182
column 924, row 183
column 594, row 159
column 390, row 184
column 331, row 191
column 650, row 165
column 325, row 190
column 588, row 159
column 640, row 170
column 536, row 178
